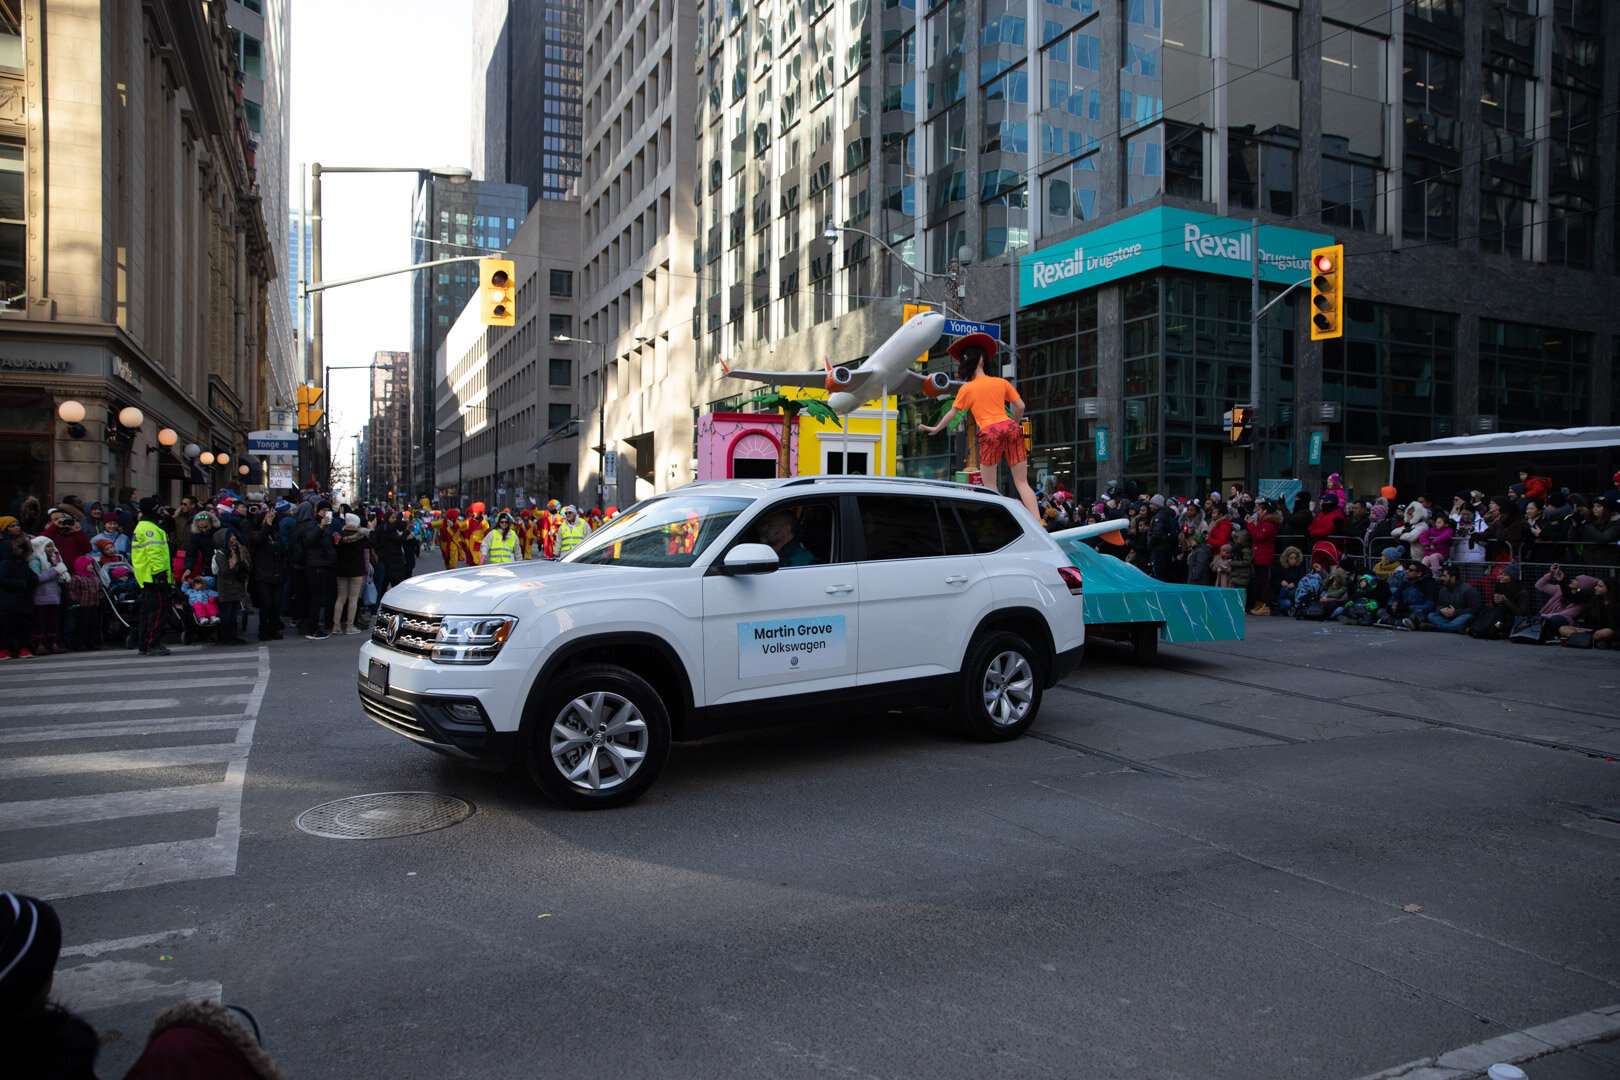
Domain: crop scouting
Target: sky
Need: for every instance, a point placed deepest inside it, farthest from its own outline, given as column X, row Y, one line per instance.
column 374, row 83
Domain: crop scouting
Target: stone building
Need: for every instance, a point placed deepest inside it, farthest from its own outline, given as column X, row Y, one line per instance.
column 386, row 475
column 134, row 255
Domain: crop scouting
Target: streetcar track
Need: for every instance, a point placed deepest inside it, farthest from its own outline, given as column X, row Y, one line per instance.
column 1227, row 724
column 1118, row 759
column 1551, row 744
column 1394, row 682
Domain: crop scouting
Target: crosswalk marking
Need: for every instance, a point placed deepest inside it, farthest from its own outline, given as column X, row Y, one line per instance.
column 61, row 720
column 139, row 941
column 120, row 728
column 103, row 983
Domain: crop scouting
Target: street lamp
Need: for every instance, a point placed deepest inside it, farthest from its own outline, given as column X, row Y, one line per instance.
column 601, row 412
column 831, row 233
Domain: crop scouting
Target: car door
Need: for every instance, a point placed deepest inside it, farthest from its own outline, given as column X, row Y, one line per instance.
column 793, row 631
column 922, row 590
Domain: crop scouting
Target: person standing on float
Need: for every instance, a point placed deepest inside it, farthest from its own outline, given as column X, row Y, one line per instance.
column 986, row 397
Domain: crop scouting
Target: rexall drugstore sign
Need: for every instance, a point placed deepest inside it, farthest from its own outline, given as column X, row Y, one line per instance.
column 1166, row 237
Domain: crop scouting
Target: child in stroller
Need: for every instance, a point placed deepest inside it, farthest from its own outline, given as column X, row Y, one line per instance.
column 123, row 593
column 198, row 608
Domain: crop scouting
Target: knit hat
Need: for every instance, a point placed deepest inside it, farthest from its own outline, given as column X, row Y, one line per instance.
column 351, row 521
column 30, row 940
column 1157, row 500
column 6, row 522
column 149, row 505
column 282, row 506
column 1391, row 554
column 1511, row 570
column 105, row 545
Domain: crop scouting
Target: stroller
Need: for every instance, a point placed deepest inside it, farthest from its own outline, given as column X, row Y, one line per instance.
column 123, row 595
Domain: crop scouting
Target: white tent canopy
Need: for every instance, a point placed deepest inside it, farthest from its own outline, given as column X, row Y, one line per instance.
column 1527, row 443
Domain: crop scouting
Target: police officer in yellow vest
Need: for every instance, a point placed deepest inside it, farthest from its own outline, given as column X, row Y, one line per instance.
column 150, row 555
column 501, row 543
column 571, row 531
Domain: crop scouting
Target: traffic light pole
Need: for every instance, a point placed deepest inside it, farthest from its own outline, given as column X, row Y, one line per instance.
column 1258, row 313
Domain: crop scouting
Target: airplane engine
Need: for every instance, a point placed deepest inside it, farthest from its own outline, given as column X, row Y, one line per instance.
column 839, row 377
column 936, row 385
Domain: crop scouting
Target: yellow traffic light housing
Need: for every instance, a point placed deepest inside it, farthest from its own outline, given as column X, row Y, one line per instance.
column 497, row 291
column 1327, row 292
column 308, row 414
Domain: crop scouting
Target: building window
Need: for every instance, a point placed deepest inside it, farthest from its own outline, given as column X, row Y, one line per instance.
column 255, row 115
column 1533, row 376
column 562, row 283
column 1261, row 170
column 561, row 326
column 561, row 372
column 558, row 413
column 13, row 231
column 249, row 54
column 11, row 45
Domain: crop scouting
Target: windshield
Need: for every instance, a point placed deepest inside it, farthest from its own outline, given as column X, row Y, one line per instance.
column 671, row 531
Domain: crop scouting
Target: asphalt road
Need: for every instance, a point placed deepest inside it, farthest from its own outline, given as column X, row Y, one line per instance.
column 1322, row 852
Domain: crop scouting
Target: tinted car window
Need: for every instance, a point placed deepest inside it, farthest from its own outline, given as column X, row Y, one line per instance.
column 956, row 540
column 900, row 527
column 989, row 527
column 804, row 534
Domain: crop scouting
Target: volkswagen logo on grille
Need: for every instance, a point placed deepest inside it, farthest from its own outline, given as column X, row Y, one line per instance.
column 391, row 630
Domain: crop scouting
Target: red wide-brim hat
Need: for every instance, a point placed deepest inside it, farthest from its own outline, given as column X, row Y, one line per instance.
column 983, row 341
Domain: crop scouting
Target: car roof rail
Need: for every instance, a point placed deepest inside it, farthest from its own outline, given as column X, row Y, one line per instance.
column 920, row 481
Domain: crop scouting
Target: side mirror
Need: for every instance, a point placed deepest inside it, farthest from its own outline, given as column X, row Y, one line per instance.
column 749, row 559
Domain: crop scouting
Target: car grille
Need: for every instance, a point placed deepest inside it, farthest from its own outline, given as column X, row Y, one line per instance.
column 410, row 632
column 390, row 715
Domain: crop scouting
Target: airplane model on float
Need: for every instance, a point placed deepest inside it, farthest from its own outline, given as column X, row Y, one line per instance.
column 887, row 371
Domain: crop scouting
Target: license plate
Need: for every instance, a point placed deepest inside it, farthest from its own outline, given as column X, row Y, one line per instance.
column 377, row 676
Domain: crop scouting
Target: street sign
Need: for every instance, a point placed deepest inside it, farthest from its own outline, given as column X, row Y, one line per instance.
column 962, row 327
column 610, row 467
column 1102, row 444
column 279, row 477
column 1316, row 448
column 272, row 442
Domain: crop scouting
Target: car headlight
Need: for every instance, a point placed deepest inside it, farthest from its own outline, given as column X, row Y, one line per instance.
column 471, row 639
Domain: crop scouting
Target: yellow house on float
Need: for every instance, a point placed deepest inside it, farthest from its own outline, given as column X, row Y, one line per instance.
column 823, row 446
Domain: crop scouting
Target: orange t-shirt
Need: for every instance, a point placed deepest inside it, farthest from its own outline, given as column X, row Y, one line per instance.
column 987, row 398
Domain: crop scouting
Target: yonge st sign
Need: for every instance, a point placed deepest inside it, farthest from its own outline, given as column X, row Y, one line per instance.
column 1165, row 237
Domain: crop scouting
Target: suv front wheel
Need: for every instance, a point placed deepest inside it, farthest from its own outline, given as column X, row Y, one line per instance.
column 600, row 738
column 1001, row 687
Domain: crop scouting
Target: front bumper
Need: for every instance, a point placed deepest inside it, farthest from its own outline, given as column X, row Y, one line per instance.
column 472, row 712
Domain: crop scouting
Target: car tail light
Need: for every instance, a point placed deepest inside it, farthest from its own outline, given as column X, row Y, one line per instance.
column 1071, row 578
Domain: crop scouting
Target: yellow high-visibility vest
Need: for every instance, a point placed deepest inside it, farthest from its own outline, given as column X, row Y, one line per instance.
column 502, row 547
column 570, row 536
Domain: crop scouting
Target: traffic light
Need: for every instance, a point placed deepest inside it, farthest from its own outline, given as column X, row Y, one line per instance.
column 497, row 291
column 1327, row 292
column 308, row 414
column 1241, row 417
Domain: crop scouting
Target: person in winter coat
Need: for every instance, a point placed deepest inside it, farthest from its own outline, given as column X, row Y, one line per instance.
column 68, row 536
column 1602, row 616
column 1163, row 535
column 50, row 575
column 1262, row 530
column 1328, row 522
column 1417, row 523
column 268, row 552
column 1291, row 568
column 232, row 567
column 1437, row 543
column 1468, row 541
column 353, row 550
column 1599, row 529
column 16, row 595
column 1389, row 561
column 1505, row 532
column 1457, row 604
column 388, row 540
column 1535, row 487
column 84, row 590
column 1241, row 576
column 1567, row 599
column 1298, row 522
column 1369, row 596
column 314, row 547
column 1419, row 595
column 1506, row 601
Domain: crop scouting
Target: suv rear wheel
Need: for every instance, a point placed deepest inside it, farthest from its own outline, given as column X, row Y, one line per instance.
column 1001, row 687
column 600, row 738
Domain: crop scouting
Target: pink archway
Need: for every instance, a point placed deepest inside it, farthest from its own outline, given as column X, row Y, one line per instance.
column 751, row 443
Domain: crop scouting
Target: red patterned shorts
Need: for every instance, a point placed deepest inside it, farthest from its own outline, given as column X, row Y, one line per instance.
column 1001, row 442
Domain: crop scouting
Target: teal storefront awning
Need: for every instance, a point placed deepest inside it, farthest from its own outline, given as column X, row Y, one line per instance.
column 1166, row 237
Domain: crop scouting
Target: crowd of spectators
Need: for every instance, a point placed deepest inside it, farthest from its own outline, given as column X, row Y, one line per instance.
column 224, row 561
column 1452, row 565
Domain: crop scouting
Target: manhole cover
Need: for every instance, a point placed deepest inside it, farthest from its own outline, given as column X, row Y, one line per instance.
column 388, row 813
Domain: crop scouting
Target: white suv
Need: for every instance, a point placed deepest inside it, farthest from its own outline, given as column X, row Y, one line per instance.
column 723, row 605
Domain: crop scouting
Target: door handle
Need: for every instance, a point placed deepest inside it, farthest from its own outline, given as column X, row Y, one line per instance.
column 838, row 590
column 957, row 579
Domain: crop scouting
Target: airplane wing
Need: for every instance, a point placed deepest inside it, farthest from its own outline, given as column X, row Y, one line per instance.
column 808, row 379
